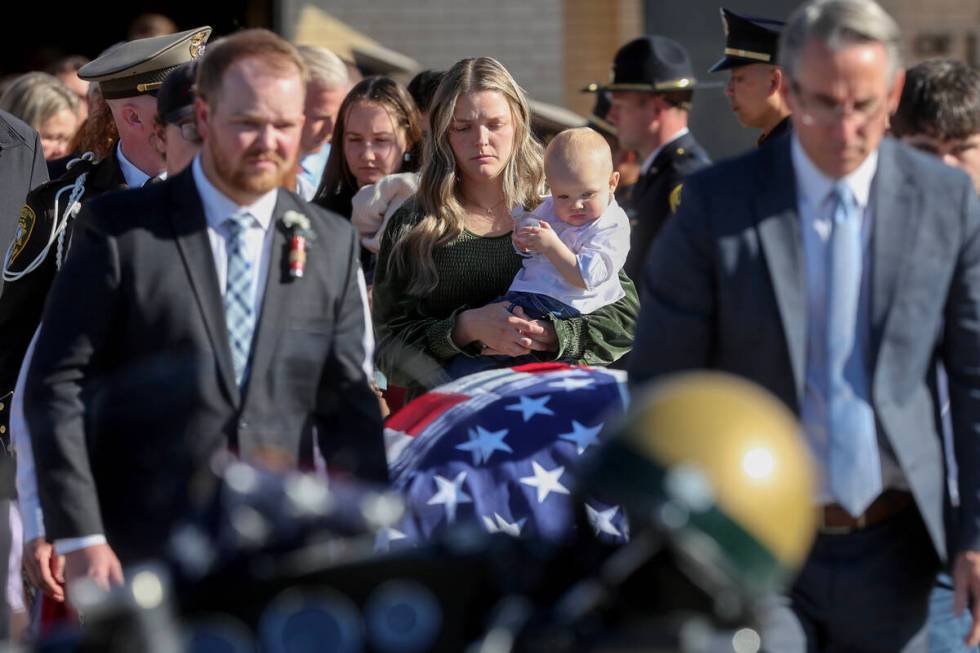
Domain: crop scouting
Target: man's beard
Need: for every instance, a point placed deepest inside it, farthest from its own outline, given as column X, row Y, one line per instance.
column 255, row 183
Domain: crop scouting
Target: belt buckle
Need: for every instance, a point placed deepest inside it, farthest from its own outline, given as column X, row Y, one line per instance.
column 824, row 529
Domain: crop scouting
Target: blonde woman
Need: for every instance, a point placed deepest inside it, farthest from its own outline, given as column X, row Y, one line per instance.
column 46, row 104
column 447, row 254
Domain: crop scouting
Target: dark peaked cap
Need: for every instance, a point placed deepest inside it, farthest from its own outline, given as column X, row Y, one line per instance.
column 748, row 41
column 650, row 63
column 138, row 67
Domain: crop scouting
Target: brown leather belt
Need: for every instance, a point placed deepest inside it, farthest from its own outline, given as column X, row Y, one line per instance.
column 833, row 519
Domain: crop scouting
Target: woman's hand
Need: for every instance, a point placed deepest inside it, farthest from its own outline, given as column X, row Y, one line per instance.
column 501, row 332
column 544, row 337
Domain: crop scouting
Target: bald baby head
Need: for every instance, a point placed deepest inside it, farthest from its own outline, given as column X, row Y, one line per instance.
column 579, row 168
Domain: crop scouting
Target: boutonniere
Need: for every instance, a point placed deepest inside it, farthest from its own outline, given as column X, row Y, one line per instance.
column 300, row 235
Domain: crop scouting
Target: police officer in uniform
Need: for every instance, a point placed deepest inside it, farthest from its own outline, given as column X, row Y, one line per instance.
column 129, row 75
column 755, row 83
column 651, row 92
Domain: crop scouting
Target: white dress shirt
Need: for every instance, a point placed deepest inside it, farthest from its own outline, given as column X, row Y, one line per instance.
column 135, row 178
column 258, row 246
column 600, row 249
column 814, row 201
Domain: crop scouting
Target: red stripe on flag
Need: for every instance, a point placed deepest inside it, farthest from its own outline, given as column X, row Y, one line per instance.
column 420, row 412
column 540, row 368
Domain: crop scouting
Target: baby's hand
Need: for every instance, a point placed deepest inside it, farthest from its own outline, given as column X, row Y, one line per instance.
column 540, row 238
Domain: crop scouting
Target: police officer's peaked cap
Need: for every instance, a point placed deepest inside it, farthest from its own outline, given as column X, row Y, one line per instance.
column 176, row 96
column 748, row 40
column 138, row 67
column 651, row 63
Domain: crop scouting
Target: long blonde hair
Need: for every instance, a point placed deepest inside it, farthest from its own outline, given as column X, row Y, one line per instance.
column 438, row 195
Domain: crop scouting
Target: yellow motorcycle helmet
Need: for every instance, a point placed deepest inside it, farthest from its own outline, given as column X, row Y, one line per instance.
column 717, row 465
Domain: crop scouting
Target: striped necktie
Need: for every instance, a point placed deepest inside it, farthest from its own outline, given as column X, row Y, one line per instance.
column 239, row 295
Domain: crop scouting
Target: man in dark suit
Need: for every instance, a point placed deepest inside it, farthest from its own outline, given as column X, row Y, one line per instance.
column 651, row 91
column 834, row 268
column 199, row 327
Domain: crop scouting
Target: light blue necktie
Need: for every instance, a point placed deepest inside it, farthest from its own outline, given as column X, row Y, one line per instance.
column 239, row 298
column 854, row 466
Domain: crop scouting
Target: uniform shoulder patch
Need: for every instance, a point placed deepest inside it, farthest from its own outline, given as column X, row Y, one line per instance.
column 25, row 227
column 675, row 198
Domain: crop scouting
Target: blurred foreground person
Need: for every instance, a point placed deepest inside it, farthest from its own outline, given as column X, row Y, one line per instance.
column 206, row 326
column 834, row 268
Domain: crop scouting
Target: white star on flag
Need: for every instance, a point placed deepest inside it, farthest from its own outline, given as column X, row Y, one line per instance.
column 483, row 443
column 568, row 384
column 530, row 407
column 601, row 520
column 545, row 481
column 450, row 494
column 385, row 537
column 498, row 524
column 582, row 436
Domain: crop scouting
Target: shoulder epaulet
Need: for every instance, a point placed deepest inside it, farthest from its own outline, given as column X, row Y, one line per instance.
column 43, row 218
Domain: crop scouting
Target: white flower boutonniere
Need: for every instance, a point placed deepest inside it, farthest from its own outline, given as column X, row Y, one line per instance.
column 300, row 234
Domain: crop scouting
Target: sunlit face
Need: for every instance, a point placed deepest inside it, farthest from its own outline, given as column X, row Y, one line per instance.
column 252, row 128
column 582, row 191
column 374, row 145
column 56, row 133
column 481, row 135
column 322, row 104
column 962, row 153
column 633, row 113
column 748, row 91
column 841, row 101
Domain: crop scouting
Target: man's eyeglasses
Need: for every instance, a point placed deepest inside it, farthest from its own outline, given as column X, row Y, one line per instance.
column 823, row 110
column 188, row 131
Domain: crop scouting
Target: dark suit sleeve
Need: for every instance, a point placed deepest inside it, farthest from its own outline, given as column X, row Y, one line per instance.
column 961, row 358
column 76, row 327
column 675, row 328
column 348, row 414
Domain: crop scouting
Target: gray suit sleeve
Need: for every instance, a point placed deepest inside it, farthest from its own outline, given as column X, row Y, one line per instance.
column 39, row 171
column 675, row 328
column 961, row 357
column 81, row 308
column 348, row 413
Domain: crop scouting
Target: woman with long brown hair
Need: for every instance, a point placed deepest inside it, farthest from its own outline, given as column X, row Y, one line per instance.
column 448, row 254
column 377, row 134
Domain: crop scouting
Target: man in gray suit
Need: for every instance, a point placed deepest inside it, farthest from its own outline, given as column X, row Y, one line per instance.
column 200, row 328
column 834, row 269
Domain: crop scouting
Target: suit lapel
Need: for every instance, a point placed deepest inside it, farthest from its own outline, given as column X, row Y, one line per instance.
column 191, row 233
column 274, row 296
column 781, row 238
column 896, row 219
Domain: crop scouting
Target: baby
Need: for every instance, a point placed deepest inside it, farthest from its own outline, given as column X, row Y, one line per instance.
column 575, row 241
column 578, row 238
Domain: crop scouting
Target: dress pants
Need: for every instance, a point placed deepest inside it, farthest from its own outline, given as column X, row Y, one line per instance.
column 863, row 592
